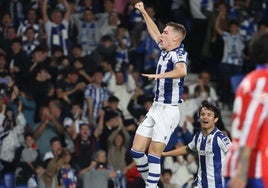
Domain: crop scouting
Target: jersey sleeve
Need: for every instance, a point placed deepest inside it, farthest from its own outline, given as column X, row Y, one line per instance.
column 224, row 142
column 192, row 145
column 180, row 56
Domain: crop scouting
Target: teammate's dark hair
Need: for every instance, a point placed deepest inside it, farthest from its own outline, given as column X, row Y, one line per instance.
column 211, row 107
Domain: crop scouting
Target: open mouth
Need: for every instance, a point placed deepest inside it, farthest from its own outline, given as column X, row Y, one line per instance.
column 204, row 121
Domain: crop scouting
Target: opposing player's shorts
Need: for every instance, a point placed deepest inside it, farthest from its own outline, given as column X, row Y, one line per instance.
column 160, row 122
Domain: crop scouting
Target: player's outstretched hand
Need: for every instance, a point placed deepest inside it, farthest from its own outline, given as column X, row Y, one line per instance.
column 153, row 76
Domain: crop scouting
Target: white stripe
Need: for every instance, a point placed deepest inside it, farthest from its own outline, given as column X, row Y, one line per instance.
column 255, row 101
column 258, row 170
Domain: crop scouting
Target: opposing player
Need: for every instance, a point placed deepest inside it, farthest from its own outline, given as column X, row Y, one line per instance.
column 211, row 146
column 154, row 132
column 247, row 162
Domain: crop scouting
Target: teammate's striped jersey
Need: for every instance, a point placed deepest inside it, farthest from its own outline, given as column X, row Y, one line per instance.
column 250, row 124
column 211, row 150
column 169, row 90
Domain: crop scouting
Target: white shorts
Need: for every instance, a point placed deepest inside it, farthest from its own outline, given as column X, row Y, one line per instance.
column 160, row 122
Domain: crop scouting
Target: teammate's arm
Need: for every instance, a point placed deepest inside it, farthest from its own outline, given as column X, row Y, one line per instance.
column 176, row 152
column 151, row 26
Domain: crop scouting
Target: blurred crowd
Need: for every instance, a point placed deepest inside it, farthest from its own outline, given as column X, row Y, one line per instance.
column 72, row 94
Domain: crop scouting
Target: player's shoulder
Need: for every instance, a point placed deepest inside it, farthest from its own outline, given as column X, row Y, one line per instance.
column 223, row 137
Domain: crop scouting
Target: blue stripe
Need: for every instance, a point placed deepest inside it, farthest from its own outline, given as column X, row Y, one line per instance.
column 153, row 159
column 153, row 175
column 157, row 83
column 181, row 83
column 152, row 181
column 204, row 180
column 142, row 166
column 168, row 85
column 217, row 161
column 136, row 154
column 142, row 171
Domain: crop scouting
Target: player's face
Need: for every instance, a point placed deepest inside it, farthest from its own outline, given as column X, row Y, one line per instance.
column 207, row 119
column 167, row 38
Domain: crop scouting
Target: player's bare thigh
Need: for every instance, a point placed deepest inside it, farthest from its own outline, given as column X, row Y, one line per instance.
column 156, row 148
column 141, row 143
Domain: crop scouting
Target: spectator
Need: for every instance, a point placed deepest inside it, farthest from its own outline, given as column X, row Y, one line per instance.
column 50, row 176
column 70, row 89
column 29, row 106
column 122, row 86
column 55, row 146
column 42, row 88
column 99, row 173
column 67, row 176
column 108, row 122
column 102, row 18
column 16, row 9
column 110, row 27
column 232, row 59
column 88, row 31
column 30, row 43
column 27, row 156
column 19, row 64
column 165, row 178
column 85, row 145
column 112, row 105
column 107, row 67
column 6, row 22
column 7, row 41
column 32, row 22
column 118, row 145
column 95, row 97
column 105, row 49
column 15, row 127
column 123, row 44
column 47, row 128
column 204, row 79
column 57, row 28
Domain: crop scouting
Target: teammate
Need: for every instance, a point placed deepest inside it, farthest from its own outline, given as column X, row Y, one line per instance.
column 162, row 118
column 247, row 162
column 211, row 146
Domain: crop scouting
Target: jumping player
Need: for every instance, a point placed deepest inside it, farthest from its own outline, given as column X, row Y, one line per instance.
column 154, row 132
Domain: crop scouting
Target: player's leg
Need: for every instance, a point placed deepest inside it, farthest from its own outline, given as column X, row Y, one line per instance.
column 141, row 143
column 154, row 163
column 166, row 118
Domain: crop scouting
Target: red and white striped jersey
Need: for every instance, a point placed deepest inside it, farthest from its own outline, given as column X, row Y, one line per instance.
column 250, row 124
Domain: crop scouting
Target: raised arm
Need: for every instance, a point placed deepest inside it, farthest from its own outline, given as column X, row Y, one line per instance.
column 217, row 24
column 67, row 14
column 44, row 11
column 151, row 26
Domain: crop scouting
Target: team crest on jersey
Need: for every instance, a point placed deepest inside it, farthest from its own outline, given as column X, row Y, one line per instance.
column 226, row 141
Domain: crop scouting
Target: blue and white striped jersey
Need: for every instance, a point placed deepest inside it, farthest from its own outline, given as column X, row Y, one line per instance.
column 211, row 150
column 233, row 49
column 98, row 95
column 169, row 90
